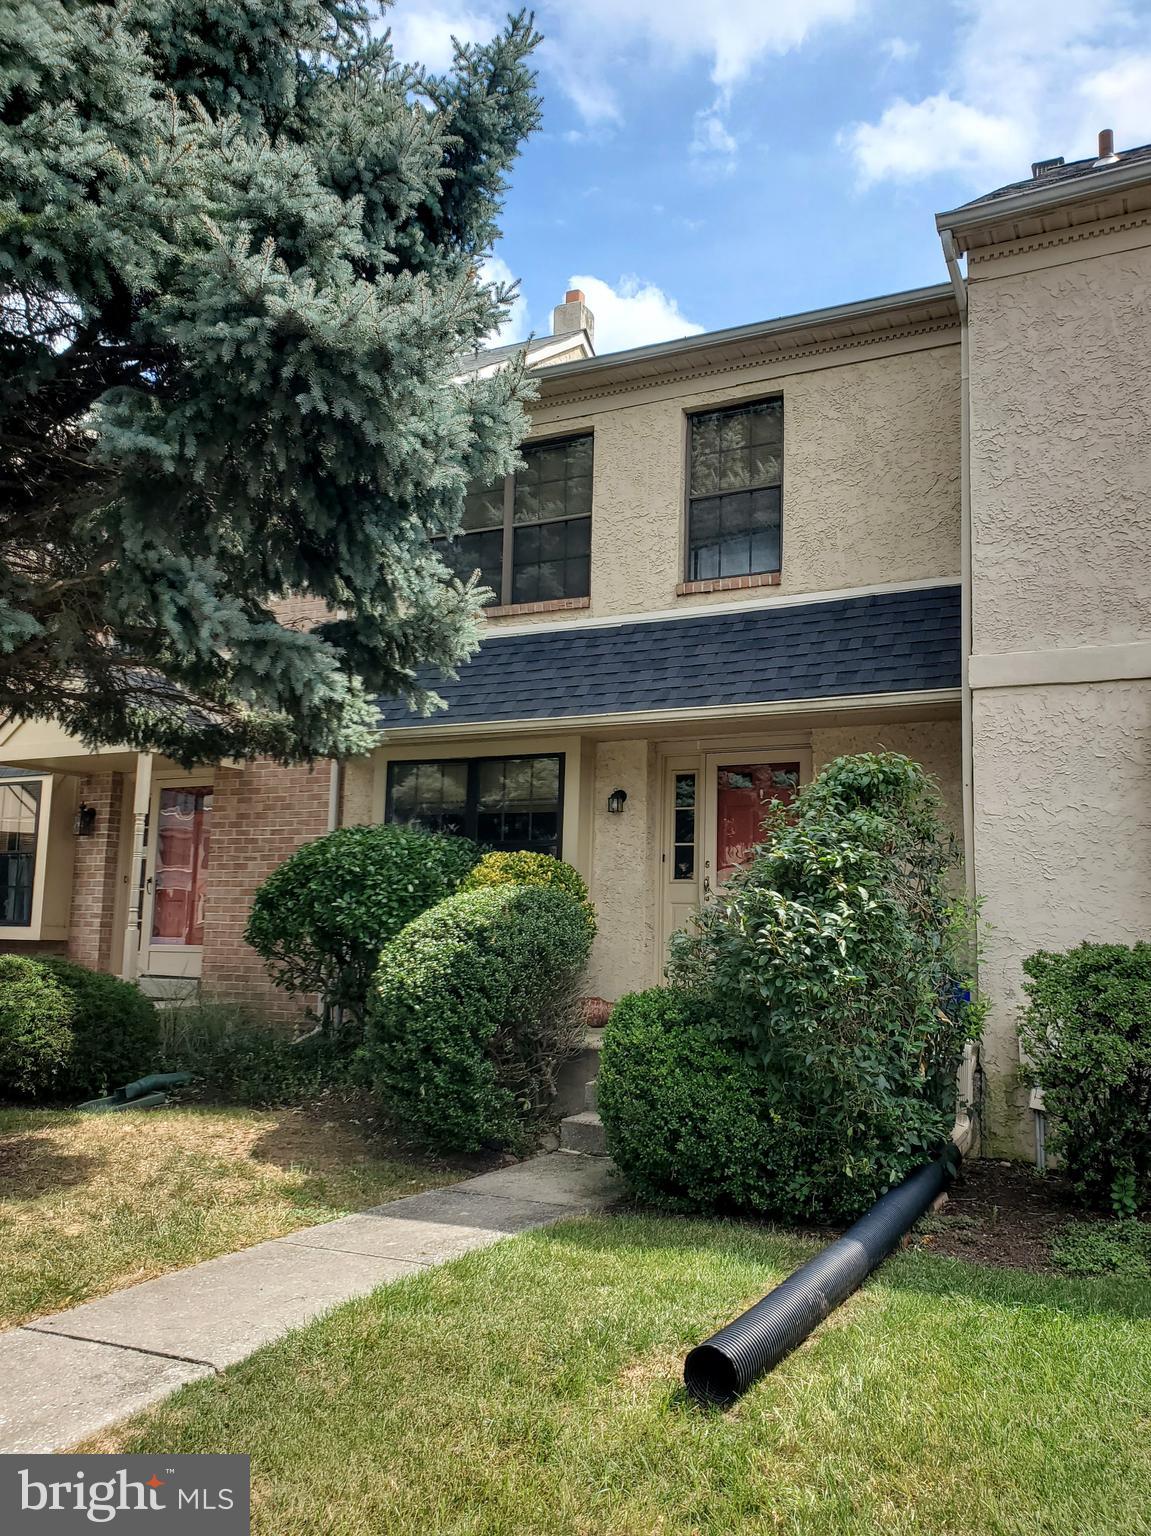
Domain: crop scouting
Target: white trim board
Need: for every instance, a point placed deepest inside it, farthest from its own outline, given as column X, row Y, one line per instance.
column 1064, row 664
column 705, row 714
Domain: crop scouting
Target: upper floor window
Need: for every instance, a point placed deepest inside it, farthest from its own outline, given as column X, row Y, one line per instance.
column 19, row 824
column 735, row 476
column 530, row 536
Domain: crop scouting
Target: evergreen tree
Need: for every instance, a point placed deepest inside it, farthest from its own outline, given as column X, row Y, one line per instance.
column 239, row 263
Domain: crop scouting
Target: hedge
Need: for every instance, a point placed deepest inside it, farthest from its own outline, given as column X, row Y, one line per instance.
column 115, row 1031
column 475, row 1007
column 36, row 1014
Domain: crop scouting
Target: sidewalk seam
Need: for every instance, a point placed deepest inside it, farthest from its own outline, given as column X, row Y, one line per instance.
column 131, row 1349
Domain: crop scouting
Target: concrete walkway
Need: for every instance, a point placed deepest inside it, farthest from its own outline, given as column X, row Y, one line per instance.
column 71, row 1374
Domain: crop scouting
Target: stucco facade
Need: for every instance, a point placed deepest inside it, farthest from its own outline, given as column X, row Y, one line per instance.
column 1060, row 485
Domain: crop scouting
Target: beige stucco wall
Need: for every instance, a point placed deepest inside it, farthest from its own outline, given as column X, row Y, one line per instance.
column 1061, row 451
column 935, row 744
column 356, row 792
column 623, row 861
column 1060, row 490
column 1062, row 847
column 870, row 481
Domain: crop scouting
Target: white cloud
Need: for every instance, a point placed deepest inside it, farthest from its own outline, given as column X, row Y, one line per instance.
column 1030, row 79
column 632, row 314
column 422, row 33
column 898, row 49
column 713, row 146
column 496, row 270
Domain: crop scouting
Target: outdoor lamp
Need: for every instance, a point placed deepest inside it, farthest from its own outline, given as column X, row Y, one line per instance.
column 615, row 801
column 84, row 821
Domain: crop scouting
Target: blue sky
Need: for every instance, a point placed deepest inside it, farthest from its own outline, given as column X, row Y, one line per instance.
column 716, row 162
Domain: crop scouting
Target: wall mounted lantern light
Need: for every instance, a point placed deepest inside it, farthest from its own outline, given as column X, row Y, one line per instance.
column 84, row 821
column 615, row 801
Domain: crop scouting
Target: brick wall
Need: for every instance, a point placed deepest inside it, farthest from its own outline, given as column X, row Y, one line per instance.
column 93, row 941
column 260, row 814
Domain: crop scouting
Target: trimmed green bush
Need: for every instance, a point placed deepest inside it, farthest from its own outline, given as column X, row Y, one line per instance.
column 475, row 1007
column 320, row 920
column 681, row 1106
column 530, row 869
column 1087, row 1035
column 835, row 960
column 36, row 1014
column 115, row 1035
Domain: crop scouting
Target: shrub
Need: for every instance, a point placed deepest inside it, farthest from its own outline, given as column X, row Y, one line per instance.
column 115, row 1035
column 36, row 1014
column 530, row 869
column 1087, row 1034
column 475, row 1007
column 235, row 1057
column 835, row 960
column 681, row 1106
column 320, row 920
column 1104, row 1248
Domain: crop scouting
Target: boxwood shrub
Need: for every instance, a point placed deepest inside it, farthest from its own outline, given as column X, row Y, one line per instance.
column 115, row 1032
column 475, row 1007
column 36, row 1014
column 320, row 920
column 525, row 868
column 1087, row 1035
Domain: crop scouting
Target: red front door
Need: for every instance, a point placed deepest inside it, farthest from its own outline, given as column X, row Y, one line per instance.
column 743, row 793
column 181, row 865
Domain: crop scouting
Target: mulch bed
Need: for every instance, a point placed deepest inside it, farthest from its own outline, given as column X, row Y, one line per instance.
column 1000, row 1213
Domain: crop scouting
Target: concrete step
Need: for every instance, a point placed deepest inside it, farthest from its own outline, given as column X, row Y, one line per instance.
column 591, row 1095
column 169, row 989
column 575, row 1074
column 583, row 1133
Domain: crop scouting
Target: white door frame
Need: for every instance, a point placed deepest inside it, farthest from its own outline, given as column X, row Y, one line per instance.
column 166, row 959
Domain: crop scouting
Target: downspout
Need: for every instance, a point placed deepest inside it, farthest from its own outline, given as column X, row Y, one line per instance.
column 951, row 257
column 334, row 794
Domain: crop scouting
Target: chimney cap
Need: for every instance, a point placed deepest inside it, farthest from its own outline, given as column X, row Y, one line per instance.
column 574, row 296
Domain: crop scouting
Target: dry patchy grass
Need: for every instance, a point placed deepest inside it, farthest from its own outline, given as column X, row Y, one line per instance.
column 91, row 1203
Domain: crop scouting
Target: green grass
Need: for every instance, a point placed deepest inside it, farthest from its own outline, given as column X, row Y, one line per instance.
column 534, row 1388
column 90, row 1203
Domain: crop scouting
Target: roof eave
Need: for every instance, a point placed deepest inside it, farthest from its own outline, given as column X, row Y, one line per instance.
column 684, row 348
column 1039, row 199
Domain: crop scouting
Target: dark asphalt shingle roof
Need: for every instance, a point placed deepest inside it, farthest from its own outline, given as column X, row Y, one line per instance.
column 886, row 642
column 1071, row 170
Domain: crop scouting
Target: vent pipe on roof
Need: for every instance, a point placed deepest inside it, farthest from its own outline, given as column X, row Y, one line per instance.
column 1107, row 155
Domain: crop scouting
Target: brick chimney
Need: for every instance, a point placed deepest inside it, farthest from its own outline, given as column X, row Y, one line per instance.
column 573, row 315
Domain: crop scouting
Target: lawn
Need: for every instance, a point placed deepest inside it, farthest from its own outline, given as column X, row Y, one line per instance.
column 89, row 1203
column 534, row 1388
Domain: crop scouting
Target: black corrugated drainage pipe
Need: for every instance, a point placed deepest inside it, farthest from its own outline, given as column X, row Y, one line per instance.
column 718, row 1371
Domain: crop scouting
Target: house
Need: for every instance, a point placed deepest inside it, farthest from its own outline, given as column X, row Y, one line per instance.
column 917, row 522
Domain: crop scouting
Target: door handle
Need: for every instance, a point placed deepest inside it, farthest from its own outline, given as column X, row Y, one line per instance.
column 148, row 886
column 707, row 885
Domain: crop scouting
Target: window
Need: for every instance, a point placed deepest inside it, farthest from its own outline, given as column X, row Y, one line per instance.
column 19, row 823
column 735, row 477
column 530, row 537
column 506, row 803
column 683, row 845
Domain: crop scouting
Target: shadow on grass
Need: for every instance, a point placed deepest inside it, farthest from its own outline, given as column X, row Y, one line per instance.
column 31, row 1165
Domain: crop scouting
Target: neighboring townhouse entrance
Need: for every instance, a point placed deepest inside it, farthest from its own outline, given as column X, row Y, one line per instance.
column 713, row 809
column 176, row 875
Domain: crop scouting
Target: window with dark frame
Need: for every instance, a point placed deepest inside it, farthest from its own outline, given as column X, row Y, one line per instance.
column 683, row 844
column 530, row 536
column 506, row 803
column 19, row 826
column 735, row 479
